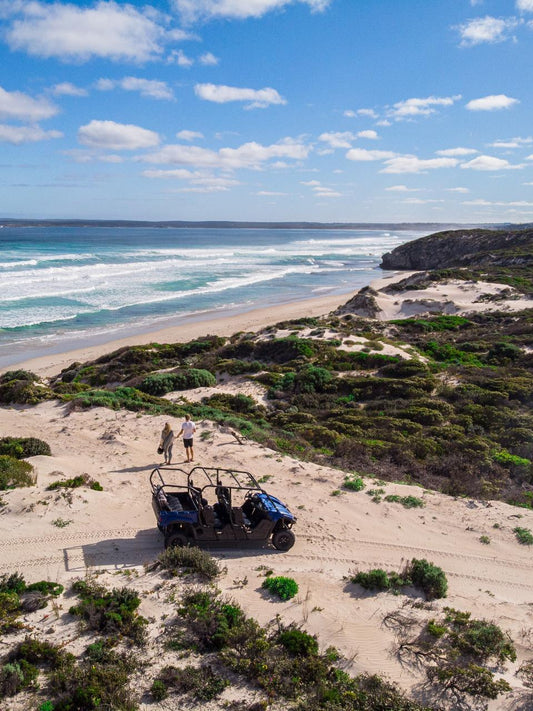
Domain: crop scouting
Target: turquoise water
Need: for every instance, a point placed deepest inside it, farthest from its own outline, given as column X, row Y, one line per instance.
column 68, row 287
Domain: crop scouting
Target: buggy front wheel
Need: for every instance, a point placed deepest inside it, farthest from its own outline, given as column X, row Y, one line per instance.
column 283, row 539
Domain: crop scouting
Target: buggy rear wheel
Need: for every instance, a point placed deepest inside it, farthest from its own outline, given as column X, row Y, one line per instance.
column 283, row 539
column 176, row 540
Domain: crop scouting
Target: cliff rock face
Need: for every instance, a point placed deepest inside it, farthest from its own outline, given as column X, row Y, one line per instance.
column 461, row 248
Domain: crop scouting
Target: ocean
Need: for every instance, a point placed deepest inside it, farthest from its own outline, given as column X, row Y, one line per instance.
column 68, row 287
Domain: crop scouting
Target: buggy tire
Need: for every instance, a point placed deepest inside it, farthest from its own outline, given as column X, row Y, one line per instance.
column 176, row 540
column 283, row 539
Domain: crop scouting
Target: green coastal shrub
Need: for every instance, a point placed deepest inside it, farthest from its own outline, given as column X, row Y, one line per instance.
column 243, row 404
column 282, row 350
column 75, row 483
column 428, row 577
column 162, row 383
column 352, row 482
column 298, row 642
column 177, row 559
column 408, row 502
column 523, row 535
column 203, row 683
column 376, row 579
column 212, row 621
column 99, row 681
column 285, row 588
column 23, row 447
column 109, row 611
column 15, row 473
column 22, row 387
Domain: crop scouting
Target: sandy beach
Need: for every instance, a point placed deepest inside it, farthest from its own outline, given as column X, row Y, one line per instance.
column 49, row 535
column 453, row 297
column 220, row 325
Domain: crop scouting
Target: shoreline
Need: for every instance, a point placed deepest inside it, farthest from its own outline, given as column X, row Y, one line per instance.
column 225, row 324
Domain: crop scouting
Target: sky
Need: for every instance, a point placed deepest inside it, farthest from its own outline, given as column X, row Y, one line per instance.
column 268, row 110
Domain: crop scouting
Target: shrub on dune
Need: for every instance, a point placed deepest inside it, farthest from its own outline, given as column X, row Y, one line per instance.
column 15, row 473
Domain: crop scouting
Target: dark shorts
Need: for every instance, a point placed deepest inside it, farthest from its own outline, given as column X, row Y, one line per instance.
column 187, row 443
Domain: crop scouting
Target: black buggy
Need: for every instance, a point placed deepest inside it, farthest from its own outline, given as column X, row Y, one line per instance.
column 218, row 507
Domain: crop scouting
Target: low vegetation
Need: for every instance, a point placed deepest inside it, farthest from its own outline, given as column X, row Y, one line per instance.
column 24, row 447
column 75, row 482
column 460, row 655
column 186, row 560
column 18, row 597
column 418, row 573
column 111, row 612
column 284, row 662
column 281, row 586
column 15, row 473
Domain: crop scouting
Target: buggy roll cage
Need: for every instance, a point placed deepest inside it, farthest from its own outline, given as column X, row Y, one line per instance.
column 212, row 474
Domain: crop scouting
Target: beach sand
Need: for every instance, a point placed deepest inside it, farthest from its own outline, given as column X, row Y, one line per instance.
column 50, row 535
column 221, row 325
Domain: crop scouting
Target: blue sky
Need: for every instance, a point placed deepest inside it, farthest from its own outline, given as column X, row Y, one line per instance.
column 324, row 110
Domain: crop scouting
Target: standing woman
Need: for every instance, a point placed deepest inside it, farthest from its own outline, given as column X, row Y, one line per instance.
column 167, row 440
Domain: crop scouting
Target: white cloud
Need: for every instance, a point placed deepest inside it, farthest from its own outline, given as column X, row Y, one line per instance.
column 65, row 88
column 410, row 108
column 419, row 201
column 146, row 87
column 514, row 203
column 486, row 29
column 326, row 193
column 529, row 157
column 362, row 154
column 525, row 5
column 457, row 190
column 412, row 164
column 338, row 139
column 249, row 155
column 513, row 143
column 454, row 152
column 68, row 32
column 370, row 113
column 493, row 102
column 208, row 59
column 25, row 134
column 189, row 135
column 383, row 122
column 201, row 181
column 321, row 190
column 220, row 94
column 16, row 105
column 372, row 135
column 116, row 136
column 193, row 10
column 489, row 163
column 111, row 158
column 401, row 189
column 180, row 58
column 270, row 193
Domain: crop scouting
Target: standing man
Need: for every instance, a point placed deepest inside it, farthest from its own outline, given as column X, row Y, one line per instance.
column 188, row 428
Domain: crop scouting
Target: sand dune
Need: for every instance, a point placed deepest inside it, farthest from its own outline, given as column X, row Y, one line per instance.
column 114, row 531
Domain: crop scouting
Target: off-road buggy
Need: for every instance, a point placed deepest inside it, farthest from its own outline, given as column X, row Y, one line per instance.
column 218, row 507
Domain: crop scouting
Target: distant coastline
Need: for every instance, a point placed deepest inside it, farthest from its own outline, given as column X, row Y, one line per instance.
column 222, row 224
